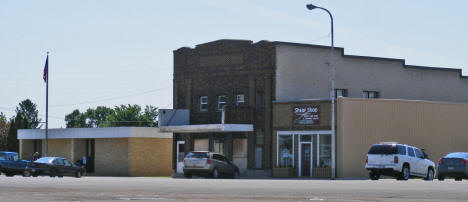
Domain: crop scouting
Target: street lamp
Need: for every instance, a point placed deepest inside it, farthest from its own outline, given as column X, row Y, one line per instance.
column 332, row 90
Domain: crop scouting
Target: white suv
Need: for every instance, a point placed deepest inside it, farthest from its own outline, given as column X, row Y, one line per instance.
column 399, row 160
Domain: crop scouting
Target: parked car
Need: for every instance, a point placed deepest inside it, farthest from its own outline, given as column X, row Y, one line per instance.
column 399, row 160
column 209, row 164
column 54, row 166
column 11, row 164
column 453, row 165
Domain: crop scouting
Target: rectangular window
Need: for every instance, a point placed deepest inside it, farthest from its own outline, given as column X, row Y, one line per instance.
column 341, row 93
column 325, row 151
column 221, row 102
column 203, row 103
column 240, row 100
column 285, row 151
column 370, row 94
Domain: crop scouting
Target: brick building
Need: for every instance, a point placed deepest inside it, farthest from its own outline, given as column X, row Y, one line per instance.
column 281, row 90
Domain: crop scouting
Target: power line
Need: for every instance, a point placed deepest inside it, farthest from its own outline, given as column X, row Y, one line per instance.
column 112, row 98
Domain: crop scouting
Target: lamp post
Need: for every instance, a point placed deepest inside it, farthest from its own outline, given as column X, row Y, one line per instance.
column 332, row 90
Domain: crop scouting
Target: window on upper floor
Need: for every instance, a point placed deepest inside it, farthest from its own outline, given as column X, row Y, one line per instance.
column 370, row 94
column 203, row 103
column 240, row 99
column 341, row 93
column 221, row 102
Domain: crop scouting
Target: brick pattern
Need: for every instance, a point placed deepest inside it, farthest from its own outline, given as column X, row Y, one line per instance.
column 226, row 67
column 150, row 156
column 111, row 157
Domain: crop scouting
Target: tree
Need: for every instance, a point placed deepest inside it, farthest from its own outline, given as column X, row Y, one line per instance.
column 123, row 115
column 76, row 120
column 20, row 121
column 4, row 125
column 29, row 111
column 96, row 117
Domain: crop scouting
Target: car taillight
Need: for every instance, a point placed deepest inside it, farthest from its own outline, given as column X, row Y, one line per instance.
column 464, row 161
column 208, row 160
column 440, row 161
column 367, row 159
column 395, row 159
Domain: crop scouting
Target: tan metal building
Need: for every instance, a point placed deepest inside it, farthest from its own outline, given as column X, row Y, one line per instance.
column 438, row 127
column 303, row 138
column 120, row 151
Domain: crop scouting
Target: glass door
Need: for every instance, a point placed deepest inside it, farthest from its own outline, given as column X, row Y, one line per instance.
column 305, row 159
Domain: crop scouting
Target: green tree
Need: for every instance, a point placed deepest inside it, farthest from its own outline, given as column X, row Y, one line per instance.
column 123, row 115
column 29, row 111
column 96, row 117
column 76, row 120
column 20, row 121
column 4, row 125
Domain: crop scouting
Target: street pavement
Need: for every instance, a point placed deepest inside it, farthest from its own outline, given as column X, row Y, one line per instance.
column 168, row 189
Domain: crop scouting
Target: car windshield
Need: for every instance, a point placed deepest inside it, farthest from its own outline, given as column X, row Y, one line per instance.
column 383, row 149
column 197, row 155
column 2, row 156
column 47, row 160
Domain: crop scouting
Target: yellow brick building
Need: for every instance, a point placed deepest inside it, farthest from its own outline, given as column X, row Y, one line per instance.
column 120, row 151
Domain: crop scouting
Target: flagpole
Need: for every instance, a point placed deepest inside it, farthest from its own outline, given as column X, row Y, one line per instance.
column 47, row 108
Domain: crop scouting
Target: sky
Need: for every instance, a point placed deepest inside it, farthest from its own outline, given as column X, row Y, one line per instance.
column 113, row 52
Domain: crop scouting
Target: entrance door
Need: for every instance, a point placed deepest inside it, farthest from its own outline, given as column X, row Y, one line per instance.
column 89, row 156
column 239, row 154
column 180, row 156
column 306, row 159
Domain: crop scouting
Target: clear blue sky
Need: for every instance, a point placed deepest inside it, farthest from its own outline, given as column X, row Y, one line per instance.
column 112, row 52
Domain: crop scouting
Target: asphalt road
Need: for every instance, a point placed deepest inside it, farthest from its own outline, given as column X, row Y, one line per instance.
column 167, row 189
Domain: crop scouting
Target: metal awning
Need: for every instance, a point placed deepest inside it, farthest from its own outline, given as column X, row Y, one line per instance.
column 208, row 128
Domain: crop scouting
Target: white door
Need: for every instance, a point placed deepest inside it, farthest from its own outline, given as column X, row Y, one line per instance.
column 239, row 154
column 180, row 156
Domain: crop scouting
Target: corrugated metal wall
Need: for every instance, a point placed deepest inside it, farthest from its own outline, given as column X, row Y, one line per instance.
column 439, row 128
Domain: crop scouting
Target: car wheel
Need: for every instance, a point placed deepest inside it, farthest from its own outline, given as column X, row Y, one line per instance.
column 236, row 175
column 78, row 174
column 405, row 173
column 440, row 177
column 374, row 176
column 215, row 173
column 430, row 175
column 26, row 174
column 458, row 179
column 8, row 174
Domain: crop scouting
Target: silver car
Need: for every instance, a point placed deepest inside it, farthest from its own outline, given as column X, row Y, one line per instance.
column 209, row 164
column 453, row 165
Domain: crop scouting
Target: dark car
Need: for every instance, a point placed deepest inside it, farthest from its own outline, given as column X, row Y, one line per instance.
column 11, row 164
column 54, row 166
column 453, row 165
column 209, row 164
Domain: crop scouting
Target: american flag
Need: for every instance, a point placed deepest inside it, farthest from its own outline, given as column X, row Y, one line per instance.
column 46, row 69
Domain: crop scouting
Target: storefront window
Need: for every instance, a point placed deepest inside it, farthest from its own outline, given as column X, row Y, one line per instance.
column 285, row 151
column 325, row 151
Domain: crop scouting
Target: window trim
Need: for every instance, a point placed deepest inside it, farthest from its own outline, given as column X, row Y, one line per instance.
column 238, row 103
column 366, row 94
column 203, row 103
column 219, row 102
column 345, row 92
